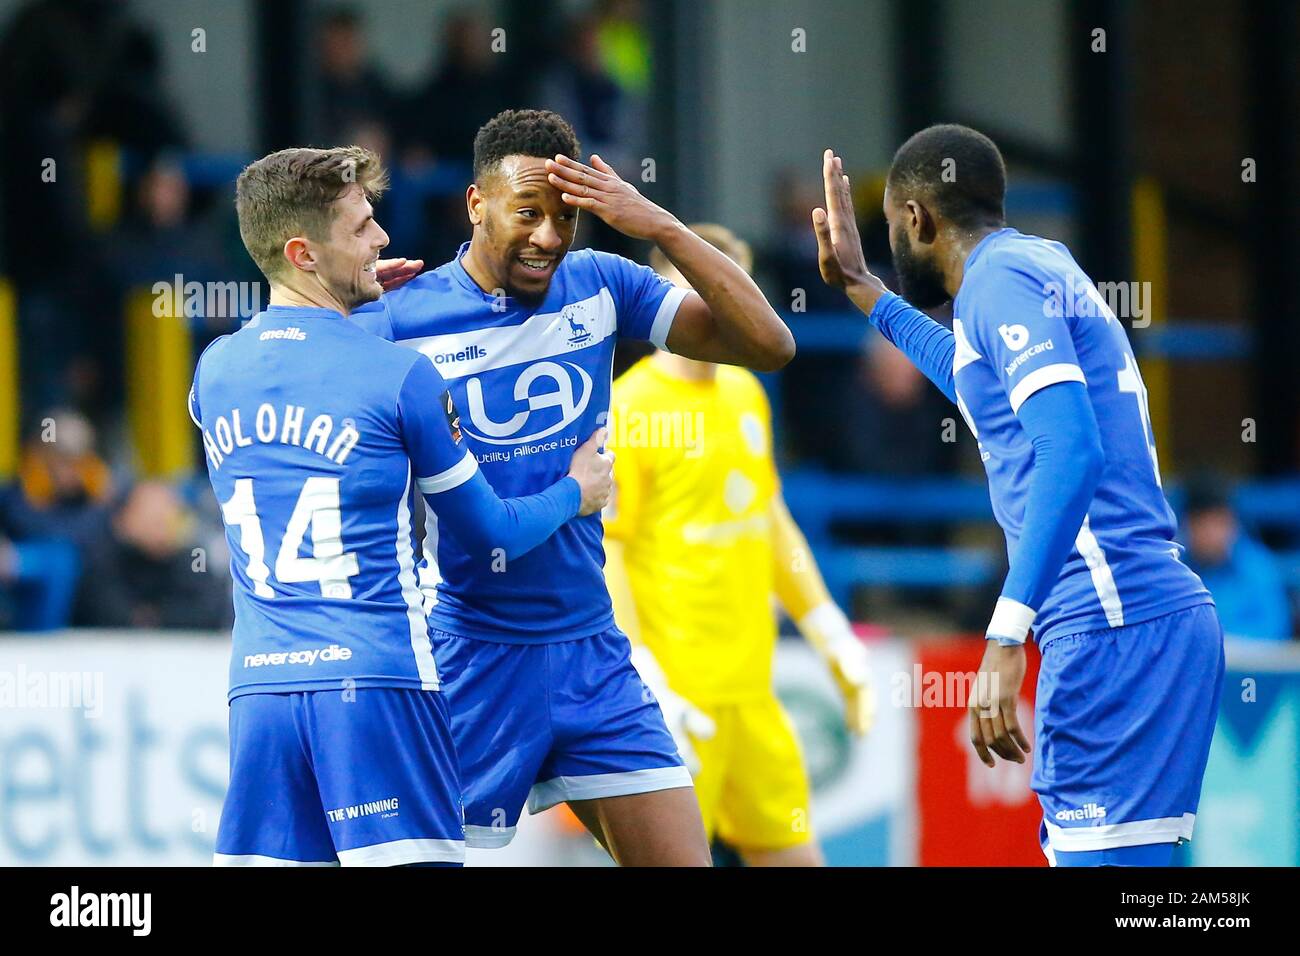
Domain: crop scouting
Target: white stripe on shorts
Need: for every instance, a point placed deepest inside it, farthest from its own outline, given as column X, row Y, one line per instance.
column 1112, row 835
column 488, row 838
column 399, row 852
column 557, row 790
column 252, row 859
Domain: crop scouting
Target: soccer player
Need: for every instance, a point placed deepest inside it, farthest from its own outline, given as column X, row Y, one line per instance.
column 1041, row 370
column 317, row 436
column 698, row 538
column 546, row 706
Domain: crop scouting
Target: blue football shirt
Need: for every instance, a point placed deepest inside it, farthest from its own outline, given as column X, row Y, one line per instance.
column 317, row 436
column 531, row 383
column 1026, row 317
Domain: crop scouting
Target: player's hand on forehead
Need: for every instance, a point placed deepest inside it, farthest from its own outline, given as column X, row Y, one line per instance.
column 579, row 179
column 599, row 188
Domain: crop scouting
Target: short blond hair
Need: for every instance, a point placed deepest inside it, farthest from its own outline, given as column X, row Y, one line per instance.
column 720, row 237
column 291, row 193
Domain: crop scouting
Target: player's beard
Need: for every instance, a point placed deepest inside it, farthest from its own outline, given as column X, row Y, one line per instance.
column 355, row 292
column 920, row 281
column 505, row 256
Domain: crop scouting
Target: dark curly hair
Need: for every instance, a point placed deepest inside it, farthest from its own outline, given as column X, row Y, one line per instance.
column 973, row 195
column 539, row 133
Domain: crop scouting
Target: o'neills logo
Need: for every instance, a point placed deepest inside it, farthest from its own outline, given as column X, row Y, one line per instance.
column 1089, row 811
column 292, row 333
column 470, row 354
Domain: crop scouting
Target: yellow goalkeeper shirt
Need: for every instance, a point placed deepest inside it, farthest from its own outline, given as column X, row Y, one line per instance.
column 695, row 484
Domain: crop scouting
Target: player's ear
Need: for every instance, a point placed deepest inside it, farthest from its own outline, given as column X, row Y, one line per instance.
column 920, row 223
column 298, row 251
column 474, row 204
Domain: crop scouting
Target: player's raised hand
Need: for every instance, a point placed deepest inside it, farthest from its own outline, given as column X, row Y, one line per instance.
column 598, row 188
column 593, row 470
column 994, row 722
column 839, row 247
column 395, row 273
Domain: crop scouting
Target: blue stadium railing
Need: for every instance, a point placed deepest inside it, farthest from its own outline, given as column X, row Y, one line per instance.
column 820, row 500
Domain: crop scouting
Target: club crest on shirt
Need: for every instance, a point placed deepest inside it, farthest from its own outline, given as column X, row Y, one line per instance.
column 579, row 334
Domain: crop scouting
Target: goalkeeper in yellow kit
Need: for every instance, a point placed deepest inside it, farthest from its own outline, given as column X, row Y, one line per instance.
column 698, row 540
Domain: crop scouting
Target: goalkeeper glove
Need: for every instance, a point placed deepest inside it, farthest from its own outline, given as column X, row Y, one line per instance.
column 829, row 631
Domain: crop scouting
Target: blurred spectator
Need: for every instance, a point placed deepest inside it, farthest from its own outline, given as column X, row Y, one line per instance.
column 608, row 121
column 161, row 239
column 469, row 88
column 54, row 52
column 624, row 46
column 893, row 418
column 145, row 573
column 1243, row 576
column 792, row 254
column 579, row 87
column 352, row 91
column 130, row 107
column 63, row 487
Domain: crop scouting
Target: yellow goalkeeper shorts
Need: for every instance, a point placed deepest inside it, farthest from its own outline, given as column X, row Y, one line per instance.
column 752, row 786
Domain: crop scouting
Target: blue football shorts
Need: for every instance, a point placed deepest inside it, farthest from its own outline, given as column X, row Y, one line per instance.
column 358, row 777
column 1122, row 726
column 549, row 723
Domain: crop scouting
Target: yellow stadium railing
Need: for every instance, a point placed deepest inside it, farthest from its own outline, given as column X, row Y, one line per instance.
column 103, row 184
column 160, row 360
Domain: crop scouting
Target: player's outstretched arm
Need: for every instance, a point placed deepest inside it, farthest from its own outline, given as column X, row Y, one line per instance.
column 726, row 319
column 802, row 592
column 843, row 265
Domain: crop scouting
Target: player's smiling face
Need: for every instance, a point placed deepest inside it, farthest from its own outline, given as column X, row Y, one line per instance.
column 345, row 263
column 522, row 228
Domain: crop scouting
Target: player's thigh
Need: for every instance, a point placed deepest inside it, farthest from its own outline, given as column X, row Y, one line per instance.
column 659, row 828
column 1123, row 723
column 388, row 776
column 766, row 803
column 804, row 854
column 496, row 693
column 272, row 814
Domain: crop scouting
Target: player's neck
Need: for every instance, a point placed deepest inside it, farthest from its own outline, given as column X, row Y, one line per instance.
column 681, row 367
column 960, row 247
column 316, row 298
column 478, row 270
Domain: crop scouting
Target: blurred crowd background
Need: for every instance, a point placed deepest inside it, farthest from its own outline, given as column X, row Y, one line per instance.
column 1152, row 137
